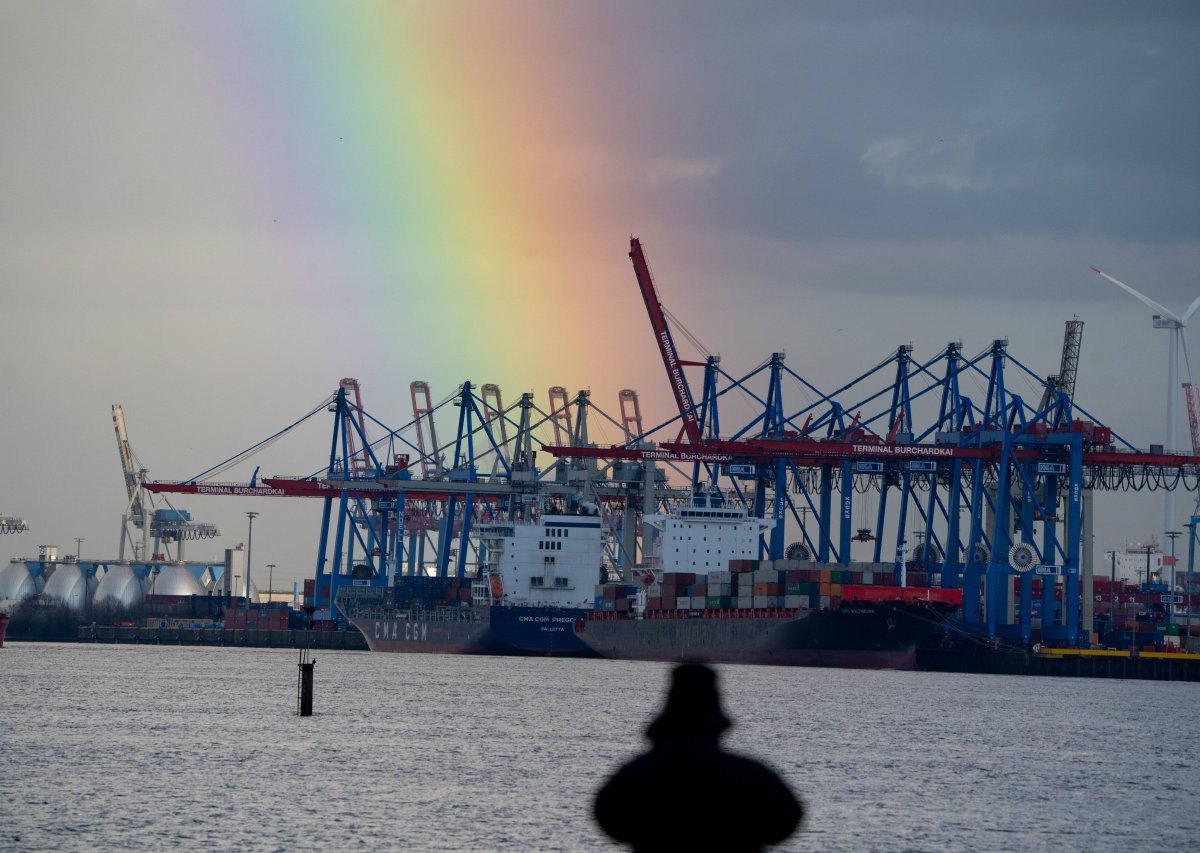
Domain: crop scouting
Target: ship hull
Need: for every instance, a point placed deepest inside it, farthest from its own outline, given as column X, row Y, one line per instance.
column 862, row 636
column 521, row 631
column 3, row 627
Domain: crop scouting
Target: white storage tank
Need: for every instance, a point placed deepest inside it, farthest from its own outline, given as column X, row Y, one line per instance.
column 70, row 586
column 173, row 580
column 17, row 583
column 120, row 586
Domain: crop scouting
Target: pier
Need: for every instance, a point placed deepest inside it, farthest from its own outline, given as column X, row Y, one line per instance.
column 1065, row 662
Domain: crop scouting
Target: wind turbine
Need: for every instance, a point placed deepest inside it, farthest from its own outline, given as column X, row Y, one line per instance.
column 1165, row 319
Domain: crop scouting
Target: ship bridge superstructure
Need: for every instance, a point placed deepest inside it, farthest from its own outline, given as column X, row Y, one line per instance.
column 707, row 532
column 554, row 561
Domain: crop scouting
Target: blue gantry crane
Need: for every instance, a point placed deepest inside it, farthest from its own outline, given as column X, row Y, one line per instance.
column 992, row 492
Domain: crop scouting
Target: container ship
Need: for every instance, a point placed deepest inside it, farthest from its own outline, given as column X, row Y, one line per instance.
column 708, row 600
column 535, row 584
column 712, row 602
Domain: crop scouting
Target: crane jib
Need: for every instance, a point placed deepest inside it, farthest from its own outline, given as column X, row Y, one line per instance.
column 666, row 345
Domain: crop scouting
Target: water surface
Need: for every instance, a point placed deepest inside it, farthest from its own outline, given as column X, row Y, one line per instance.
column 156, row 747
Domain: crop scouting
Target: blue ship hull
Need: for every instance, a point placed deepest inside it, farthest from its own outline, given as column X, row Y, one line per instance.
column 523, row 631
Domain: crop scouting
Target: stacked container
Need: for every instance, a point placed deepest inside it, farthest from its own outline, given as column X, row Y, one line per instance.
column 774, row 585
column 615, row 597
column 425, row 593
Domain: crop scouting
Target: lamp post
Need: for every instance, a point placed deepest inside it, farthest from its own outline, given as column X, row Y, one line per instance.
column 270, row 580
column 1112, row 595
column 1187, row 591
column 249, row 545
column 1172, row 535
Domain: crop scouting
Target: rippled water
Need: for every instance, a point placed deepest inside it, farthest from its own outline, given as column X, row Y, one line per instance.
column 108, row 747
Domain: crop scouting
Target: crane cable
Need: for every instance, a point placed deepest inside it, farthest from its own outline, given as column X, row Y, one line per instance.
column 266, row 442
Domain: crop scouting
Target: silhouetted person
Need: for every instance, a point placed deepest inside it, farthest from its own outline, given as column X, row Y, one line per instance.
column 687, row 793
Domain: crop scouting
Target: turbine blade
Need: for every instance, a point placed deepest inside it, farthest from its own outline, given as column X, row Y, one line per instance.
column 1186, row 361
column 1191, row 309
column 1141, row 297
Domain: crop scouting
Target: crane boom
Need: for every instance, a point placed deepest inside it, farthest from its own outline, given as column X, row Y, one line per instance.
column 666, row 344
column 357, row 460
column 493, row 413
column 560, row 415
column 431, row 459
column 1068, row 368
column 132, row 476
column 631, row 414
column 1193, row 407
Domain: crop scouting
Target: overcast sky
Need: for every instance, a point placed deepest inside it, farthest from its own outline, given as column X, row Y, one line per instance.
column 210, row 212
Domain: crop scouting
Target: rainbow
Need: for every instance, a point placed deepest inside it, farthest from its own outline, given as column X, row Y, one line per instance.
column 426, row 165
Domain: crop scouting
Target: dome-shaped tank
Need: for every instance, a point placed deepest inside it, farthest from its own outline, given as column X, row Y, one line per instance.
column 70, row 585
column 16, row 582
column 173, row 580
column 120, row 586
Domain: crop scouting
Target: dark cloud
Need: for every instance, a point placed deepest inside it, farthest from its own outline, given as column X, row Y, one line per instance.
column 908, row 120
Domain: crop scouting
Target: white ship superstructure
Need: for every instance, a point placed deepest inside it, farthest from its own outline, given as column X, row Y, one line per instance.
column 1136, row 560
column 554, row 561
column 706, row 534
